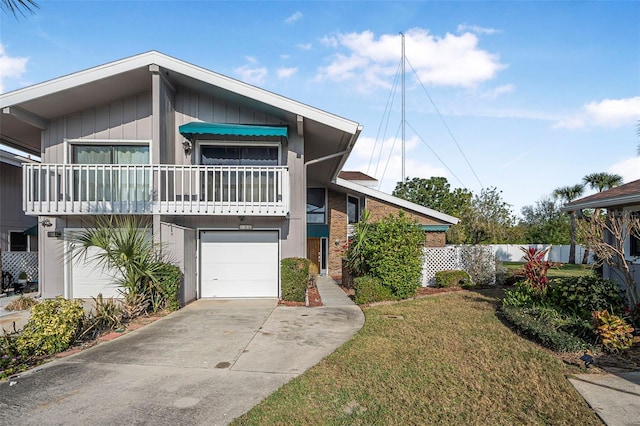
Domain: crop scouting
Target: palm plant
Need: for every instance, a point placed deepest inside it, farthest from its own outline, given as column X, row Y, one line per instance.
column 568, row 194
column 127, row 249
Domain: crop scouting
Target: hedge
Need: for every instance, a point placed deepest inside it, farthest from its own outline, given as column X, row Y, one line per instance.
column 294, row 272
column 454, row 278
column 370, row 289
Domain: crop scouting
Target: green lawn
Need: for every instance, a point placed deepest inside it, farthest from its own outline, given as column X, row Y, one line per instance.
column 564, row 270
column 449, row 360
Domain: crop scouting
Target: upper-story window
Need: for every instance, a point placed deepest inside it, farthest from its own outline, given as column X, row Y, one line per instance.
column 316, row 205
column 109, row 154
column 230, row 155
column 353, row 209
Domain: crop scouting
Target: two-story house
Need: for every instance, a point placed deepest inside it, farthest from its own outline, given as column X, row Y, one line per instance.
column 231, row 177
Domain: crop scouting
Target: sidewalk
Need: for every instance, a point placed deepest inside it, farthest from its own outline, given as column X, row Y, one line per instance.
column 614, row 397
column 7, row 318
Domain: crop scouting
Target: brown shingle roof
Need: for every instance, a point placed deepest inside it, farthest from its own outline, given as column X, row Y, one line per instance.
column 628, row 193
column 355, row 176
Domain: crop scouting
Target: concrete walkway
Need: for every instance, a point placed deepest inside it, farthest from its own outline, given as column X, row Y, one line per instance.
column 203, row 365
column 614, row 397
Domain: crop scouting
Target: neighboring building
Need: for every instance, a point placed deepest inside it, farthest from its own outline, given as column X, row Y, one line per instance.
column 18, row 232
column 624, row 197
column 233, row 178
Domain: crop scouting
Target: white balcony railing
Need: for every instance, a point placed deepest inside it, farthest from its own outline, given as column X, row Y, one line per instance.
column 71, row 189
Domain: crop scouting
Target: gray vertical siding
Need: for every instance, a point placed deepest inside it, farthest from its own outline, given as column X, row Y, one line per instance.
column 180, row 243
column 51, row 261
column 128, row 119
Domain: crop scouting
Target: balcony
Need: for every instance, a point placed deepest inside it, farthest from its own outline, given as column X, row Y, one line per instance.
column 76, row 189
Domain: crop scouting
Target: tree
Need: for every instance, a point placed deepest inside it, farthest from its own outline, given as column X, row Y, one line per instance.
column 18, row 6
column 545, row 223
column 436, row 194
column 602, row 181
column 606, row 235
column 568, row 194
column 488, row 219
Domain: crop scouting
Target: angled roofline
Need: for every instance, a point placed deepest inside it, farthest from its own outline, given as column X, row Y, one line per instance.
column 156, row 58
column 343, row 183
column 14, row 159
column 602, row 203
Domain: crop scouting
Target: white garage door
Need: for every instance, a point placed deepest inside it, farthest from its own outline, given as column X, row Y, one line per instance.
column 87, row 279
column 239, row 264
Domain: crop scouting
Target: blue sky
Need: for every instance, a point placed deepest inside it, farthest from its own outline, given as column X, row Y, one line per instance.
column 535, row 94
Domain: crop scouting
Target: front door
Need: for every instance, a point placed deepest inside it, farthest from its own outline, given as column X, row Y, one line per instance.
column 313, row 251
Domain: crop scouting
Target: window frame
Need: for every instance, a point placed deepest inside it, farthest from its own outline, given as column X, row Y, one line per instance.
column 205, row 142
column 326, row 206
column 70, row 143
column 358, row 211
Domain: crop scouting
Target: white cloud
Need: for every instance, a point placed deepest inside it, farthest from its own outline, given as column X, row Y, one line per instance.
column 252, row 75
column 304, row 46
column 10, row 67
column 251, row 59
column 497, row 91
column 286, row 72
column 462, row 28
column 293, row 18
column 606, row 113
column 629, row 169
column 447, row 61
column 285, row 56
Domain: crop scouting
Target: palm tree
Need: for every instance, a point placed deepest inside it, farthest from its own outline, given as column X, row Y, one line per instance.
column 568, row 194
column 18, row 6
column 602, row 181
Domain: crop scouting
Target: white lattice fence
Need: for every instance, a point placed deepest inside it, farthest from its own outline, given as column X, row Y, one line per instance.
column 15, row 262
column 439, row 259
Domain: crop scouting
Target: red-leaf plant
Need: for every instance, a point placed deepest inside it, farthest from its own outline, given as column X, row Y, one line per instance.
column 535, row 269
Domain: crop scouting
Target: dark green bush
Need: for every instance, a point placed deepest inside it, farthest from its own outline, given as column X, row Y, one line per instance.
column 294, row 272
column 391, row 250
column 166, row 292
column 532, row 323
column 370, row 289
column 53, row 326
column 583, row 295
column 452, row 278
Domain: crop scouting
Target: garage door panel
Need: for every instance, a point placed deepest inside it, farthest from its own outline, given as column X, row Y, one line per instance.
column 88, row 278
column 239, row 264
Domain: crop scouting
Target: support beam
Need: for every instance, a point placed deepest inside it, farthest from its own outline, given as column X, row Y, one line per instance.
column 26, row 116
column 300, row 122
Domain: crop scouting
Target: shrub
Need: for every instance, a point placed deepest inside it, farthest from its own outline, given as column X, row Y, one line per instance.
column 522, row 295
column 165, row 291
column 370, row 289
column 615, row 334
column 530, row 323
column 21, row 303
column 11, row 359
column 53, row 326
column 294, row 272
column 106, row 315
column 453, row 278
column 583, row 295
column 480, row 263
column 391, row 250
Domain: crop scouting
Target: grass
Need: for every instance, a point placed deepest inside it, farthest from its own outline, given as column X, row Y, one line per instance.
column 450, row 360
column 564, row 270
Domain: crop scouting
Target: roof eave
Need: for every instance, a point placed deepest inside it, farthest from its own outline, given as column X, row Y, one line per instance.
column 605, row 203
column 395, row 200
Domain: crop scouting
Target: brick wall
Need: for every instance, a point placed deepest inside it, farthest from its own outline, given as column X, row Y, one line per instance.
column 435, row 239
column 380, row 209
column 337, row 232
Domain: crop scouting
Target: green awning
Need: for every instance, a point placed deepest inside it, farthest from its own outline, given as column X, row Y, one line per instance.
column 317, row 230
column 435, row 228
column 33, row 230
column 200, row 128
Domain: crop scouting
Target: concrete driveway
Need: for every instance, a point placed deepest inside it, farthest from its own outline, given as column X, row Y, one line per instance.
column 206, row 364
